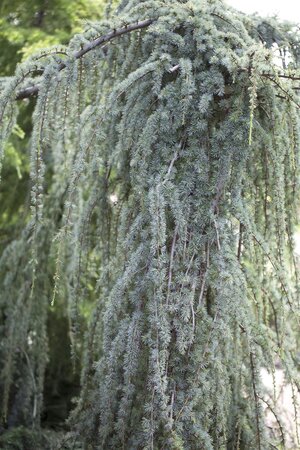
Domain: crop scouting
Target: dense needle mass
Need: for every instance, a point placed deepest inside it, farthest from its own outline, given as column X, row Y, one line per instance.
column 191, row 125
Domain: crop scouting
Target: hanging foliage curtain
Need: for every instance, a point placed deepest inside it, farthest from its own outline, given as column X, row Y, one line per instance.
column 164, row 167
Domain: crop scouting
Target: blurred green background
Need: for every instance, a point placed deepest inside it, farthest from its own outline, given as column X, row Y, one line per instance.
column 26, row 26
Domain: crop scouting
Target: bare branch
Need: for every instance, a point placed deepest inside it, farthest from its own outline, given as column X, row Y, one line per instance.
column 33, row 90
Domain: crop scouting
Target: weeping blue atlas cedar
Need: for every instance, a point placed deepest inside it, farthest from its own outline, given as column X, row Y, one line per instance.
column 165, row 177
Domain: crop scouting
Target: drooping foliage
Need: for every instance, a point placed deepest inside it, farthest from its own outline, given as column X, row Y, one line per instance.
column 25, row 27
column 164, row 168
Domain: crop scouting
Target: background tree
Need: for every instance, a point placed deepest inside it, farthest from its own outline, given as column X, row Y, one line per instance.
column 21, row 35
column 164, row 168
column 26, row 27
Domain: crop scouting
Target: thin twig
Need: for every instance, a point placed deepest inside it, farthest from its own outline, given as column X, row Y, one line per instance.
column 240, row 243
column 276, row 418
column 34, row 412
column 171, row 263
column 217, row 234
column 256, row 398
column 174, row 68
column 289, row 96
column 204, row 276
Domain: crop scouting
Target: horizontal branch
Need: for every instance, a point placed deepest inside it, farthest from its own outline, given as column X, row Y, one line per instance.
column 269, row 74
column 33, row 90
column 289, row 77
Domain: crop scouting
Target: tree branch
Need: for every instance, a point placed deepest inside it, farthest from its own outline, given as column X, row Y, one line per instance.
column 288, row 95
column 281, row 75
column 33, row 90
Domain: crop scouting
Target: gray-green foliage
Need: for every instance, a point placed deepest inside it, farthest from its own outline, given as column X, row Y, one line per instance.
column 164, row 176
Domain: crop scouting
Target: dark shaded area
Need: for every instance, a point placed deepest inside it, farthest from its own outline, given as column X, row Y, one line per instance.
column 62, row 383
